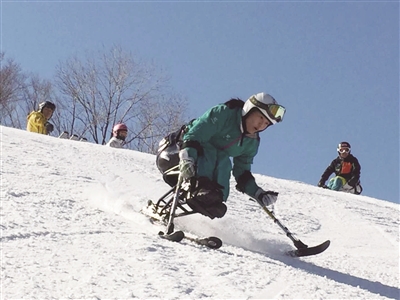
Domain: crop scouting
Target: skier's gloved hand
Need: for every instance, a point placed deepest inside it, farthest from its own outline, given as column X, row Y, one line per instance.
column 49, row 127
column 266, row 197
column 321, row 183
column 186, row 165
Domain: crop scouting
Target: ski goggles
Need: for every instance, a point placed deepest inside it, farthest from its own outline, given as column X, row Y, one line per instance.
column 275, row 112
column 344, row 150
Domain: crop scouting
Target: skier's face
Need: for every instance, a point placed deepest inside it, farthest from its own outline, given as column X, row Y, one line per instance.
column 344, row 152
column 47, row 112
column 122, row 134
column 256, row 121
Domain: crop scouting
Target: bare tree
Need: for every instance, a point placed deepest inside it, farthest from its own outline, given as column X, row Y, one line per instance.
column 37, row 90
column 12, row 84
column 111, row 88
column 159, row 118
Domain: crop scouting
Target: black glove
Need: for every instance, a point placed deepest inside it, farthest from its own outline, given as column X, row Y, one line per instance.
column 266, row 197
column 352, row 182
column 321, row 183
column 49, row 127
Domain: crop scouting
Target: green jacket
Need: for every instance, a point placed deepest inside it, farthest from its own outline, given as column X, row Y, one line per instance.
column 221, row 128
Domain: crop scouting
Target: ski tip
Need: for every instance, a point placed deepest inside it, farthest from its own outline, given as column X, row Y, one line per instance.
column 326, row 243
column 310, row 250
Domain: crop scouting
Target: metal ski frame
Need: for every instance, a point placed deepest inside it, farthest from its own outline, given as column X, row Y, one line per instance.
column 168, row 207
column 174, row 204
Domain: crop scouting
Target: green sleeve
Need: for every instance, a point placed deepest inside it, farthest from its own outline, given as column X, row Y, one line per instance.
column 205, row 127
column 243, row 163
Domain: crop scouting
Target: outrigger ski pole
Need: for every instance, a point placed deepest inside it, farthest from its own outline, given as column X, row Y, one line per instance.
column 302, row 249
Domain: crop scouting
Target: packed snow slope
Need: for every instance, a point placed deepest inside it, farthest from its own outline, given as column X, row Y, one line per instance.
column 71, row 227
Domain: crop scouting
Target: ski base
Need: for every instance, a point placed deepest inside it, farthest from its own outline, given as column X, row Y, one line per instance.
column 310, row 250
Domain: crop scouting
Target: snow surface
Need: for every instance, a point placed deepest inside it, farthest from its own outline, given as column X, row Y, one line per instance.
column 71, row 227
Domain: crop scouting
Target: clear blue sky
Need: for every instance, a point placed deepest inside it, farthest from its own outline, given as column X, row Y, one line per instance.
column 334, row 65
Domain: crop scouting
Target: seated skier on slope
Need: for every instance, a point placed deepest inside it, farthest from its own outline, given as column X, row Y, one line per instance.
column 208, row 142
column 119, row 133
column 346, row 168
column 37, row 121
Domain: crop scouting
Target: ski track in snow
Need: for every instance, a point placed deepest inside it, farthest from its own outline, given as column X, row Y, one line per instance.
column 71, row 227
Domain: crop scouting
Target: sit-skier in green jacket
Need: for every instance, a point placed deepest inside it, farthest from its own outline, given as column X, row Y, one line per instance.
column 229, row 130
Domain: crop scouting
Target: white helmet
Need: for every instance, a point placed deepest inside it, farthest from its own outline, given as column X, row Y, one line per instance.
column 267, row 105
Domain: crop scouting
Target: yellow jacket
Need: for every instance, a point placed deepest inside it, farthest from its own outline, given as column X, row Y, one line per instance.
column 36, row 122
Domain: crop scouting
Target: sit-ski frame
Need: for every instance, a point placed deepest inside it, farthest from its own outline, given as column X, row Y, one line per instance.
column 167, row 205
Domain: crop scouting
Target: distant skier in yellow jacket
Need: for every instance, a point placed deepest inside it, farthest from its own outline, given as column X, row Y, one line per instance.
column 37, row 121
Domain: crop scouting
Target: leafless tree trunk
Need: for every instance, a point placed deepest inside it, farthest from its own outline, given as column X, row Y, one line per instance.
column 12, row 83
column 157, row 119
